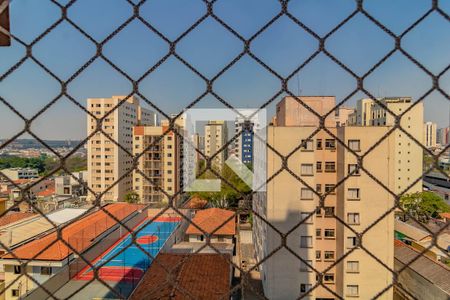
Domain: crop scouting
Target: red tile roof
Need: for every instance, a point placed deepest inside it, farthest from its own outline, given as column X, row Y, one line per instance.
column 12, row 217
column 211, row 219
column 78, row 234
column 196, row 202
column 46, row 193
column 200, row 276
column 445, row 215
column 22, row 181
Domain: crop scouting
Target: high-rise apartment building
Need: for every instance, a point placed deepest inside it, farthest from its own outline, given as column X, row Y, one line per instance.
column 216, row 136
column 443, row 136
column 107, row 162
column 343, row 114
column 290, row 111
column 430, row 134
column 359, row 201
column 161, row 162
column 370, row 113
column 243, row 145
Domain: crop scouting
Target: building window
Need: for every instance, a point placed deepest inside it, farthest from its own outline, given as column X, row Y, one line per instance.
column 351, row 241
column 15, row 293
column 352, row 266
column 318, row 254
column 318, row 233
column 307, row 145
column 306, row 242
column 353, row 168
column 353, row 194
column 352, row 290
column 328, row 278
column 354, row 145
column 353, row 218
column 17, row 269
column 328, row 255
column 46, row 270
column 306, row 194
column 330, row 166
column 304, row 267
column 319, row 166
column 318, row 188
column 329, row 188
column 319, row 144
column 329, row 211
column 330, row 144
column 220, row 239
column 306, row 170
column 318, row 212
column 328, row 233
column 307, row 217
column 305, row 287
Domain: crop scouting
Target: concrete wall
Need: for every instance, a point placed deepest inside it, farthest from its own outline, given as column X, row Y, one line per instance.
column 193, row 238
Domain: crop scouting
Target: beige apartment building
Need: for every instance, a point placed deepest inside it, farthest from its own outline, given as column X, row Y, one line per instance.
column 161, row 162
column 107, row 162
column 320, row 240
column 216, row 136
column 408, row 153
column 430, row 134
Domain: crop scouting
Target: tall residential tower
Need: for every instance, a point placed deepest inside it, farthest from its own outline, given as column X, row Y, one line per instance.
column 295, row 204
column 107, row 162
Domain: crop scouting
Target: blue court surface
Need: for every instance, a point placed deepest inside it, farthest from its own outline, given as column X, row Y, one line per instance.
column 131, row 264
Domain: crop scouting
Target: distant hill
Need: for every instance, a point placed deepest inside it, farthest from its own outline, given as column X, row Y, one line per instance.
column 32, row 143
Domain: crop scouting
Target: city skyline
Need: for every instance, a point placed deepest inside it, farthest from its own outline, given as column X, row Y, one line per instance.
column 172, row 86
column 225, row 149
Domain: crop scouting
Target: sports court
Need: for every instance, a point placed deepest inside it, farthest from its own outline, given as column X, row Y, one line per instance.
column 131, row 264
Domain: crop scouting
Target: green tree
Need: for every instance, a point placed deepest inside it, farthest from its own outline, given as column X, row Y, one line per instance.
column 132, row 197
column 423, row 206
column 228, row 195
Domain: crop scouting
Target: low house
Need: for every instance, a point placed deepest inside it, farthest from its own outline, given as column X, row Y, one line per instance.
column 67, row 185
column 219, row 224
column 196, row 202
column 423, row 277
column 445, row 217
column 200, row 276
column 47, row 256
column 20, row 173
column 421, row 240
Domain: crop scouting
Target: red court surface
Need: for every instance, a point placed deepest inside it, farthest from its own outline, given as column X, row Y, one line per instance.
column 111, row 273
column 147, row 239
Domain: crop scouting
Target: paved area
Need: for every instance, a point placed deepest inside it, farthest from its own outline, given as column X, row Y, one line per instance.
column 94, row 290
column 247, row 261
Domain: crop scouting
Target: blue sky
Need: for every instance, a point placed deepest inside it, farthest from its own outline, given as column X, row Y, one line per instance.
column 210, row 47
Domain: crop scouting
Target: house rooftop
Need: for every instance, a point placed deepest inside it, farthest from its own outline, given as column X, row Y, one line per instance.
column 12, row 217
column 429, row 269
column 410, row 231
column 213, row 221
column 196, row 202
column 47, row 192
column 197, row 276
column 76, row 234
